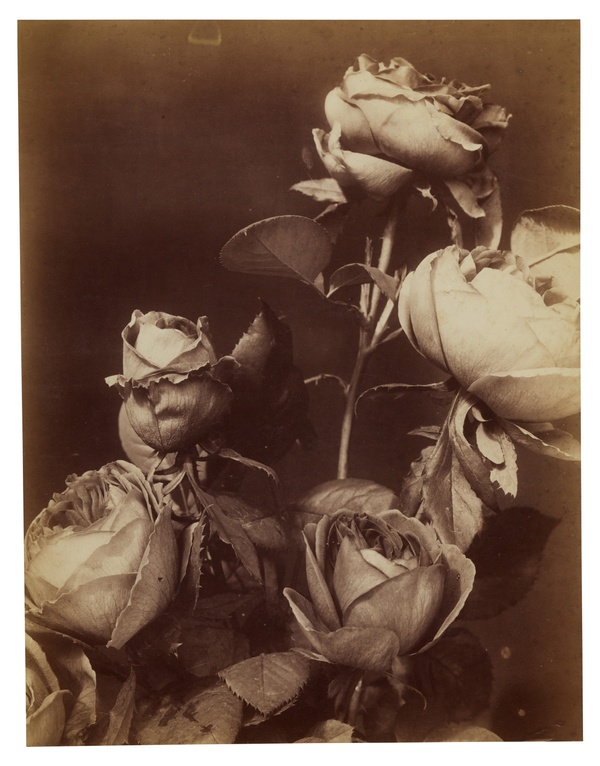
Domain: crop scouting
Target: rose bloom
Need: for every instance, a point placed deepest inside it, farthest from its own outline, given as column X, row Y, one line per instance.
column 172, row 384
column 479, row 317
column 60, row 690
column 380, row 586
column 101, row 561
column 390, row 120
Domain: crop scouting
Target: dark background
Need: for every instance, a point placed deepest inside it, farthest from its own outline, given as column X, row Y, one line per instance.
column 142, row 154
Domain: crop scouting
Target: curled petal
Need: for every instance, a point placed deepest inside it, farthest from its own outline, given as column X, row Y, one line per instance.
column 356, row 131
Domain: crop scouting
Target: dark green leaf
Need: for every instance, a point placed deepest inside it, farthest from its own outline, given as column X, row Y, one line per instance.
column 196, row 715
column 285, row 246
column 360, row 273
column 455, row 675
column 205, row 650
column 548, row 239
column 507, row 555
column 268, row 681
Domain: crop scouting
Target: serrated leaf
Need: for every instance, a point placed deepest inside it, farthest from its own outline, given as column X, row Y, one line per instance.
column 268, row 681
column 438, row 391
column 411, row 493
column 548, row 239
column 289, row 246
column 498, row 448
column 333, row 218
column 321, row 190
column 231, row 454
column 232, row 532
column 507, row 555
column 195, row 715
column 547, row 441
column 263, row 528
column 361, row 273
column 193, row 544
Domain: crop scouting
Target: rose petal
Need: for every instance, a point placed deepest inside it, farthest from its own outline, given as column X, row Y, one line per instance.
column 91, row 611
column 121, row 555
column 356, row 131
column 45, row 726
column 364, row 648
column 458, row 584
column 407, row 604
column 319, row 592
column 352, row 575
column 531, row 395
column 155, row 585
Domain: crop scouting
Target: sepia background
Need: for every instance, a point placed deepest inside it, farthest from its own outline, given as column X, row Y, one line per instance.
column 142, row 153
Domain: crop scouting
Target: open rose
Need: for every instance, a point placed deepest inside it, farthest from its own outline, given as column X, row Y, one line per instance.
column 478, row 316
column 380, row 586
column 101, row 560
column 173, row 387
column 60, row 689
column 389, row 121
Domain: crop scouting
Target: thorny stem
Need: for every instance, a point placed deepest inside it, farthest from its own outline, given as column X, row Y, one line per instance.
column 366, row 343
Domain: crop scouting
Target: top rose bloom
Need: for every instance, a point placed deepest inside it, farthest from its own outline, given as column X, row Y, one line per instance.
column 172, row 383
column 402, row 119
column 477, row 316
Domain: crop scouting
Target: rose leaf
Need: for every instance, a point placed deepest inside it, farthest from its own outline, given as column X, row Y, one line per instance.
column 507, row 555
column 231, row 531
column 205, row 650
column 268, row 681
column 547, row 440
column 548, row 240
column 437, row 391
column 455, row 676
column 361, row 273
column 121, row 715
column 196, row 715
column 264, row 529
column 330, row 730
column 290, row 246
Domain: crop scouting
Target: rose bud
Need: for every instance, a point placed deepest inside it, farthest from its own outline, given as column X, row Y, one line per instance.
column 60, row 689
column 479, row 317
column 101, row 560
column 380, row 586
column 389, row 120
column 172, row 384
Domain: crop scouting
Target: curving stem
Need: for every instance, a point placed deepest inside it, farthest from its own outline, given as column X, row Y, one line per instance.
column 365, row 344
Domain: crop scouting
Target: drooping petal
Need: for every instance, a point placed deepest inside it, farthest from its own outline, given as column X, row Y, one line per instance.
column 407, row 604
column 531, row 395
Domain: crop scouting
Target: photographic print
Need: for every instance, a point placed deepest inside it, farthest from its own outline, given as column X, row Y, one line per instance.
column 301, row 387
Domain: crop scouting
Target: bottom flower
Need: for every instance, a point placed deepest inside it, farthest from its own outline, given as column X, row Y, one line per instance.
column 380, row 586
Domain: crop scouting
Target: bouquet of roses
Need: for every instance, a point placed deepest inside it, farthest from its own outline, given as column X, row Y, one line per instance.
column 170, row 601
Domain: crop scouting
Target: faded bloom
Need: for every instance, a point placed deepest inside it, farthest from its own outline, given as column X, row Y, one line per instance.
column 389, row 121
column 479, row 317
column 172, row 384
column 101, row 560
column 380, row 586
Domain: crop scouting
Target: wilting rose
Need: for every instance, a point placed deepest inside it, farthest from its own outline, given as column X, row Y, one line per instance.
column 101, row 560
column 172, row 384
column 479, row 317
column 60, row 690
column 380, row 586
column 389, row 120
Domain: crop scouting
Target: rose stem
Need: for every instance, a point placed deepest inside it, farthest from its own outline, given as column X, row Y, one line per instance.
column 364, row 346
column 355, row 700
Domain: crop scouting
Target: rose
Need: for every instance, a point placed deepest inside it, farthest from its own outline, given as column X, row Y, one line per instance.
column 60, row 689
column 387, row 121
column 173, row 387
column 380, row 586
column 477, row 316
column 101, row 560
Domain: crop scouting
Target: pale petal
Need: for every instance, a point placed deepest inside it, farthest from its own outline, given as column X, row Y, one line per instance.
column 352, row 575
column 319, row 592
column 45, row 726
column 531, row 395
column 407, row 604
column 355, row 127
column 161, row 345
